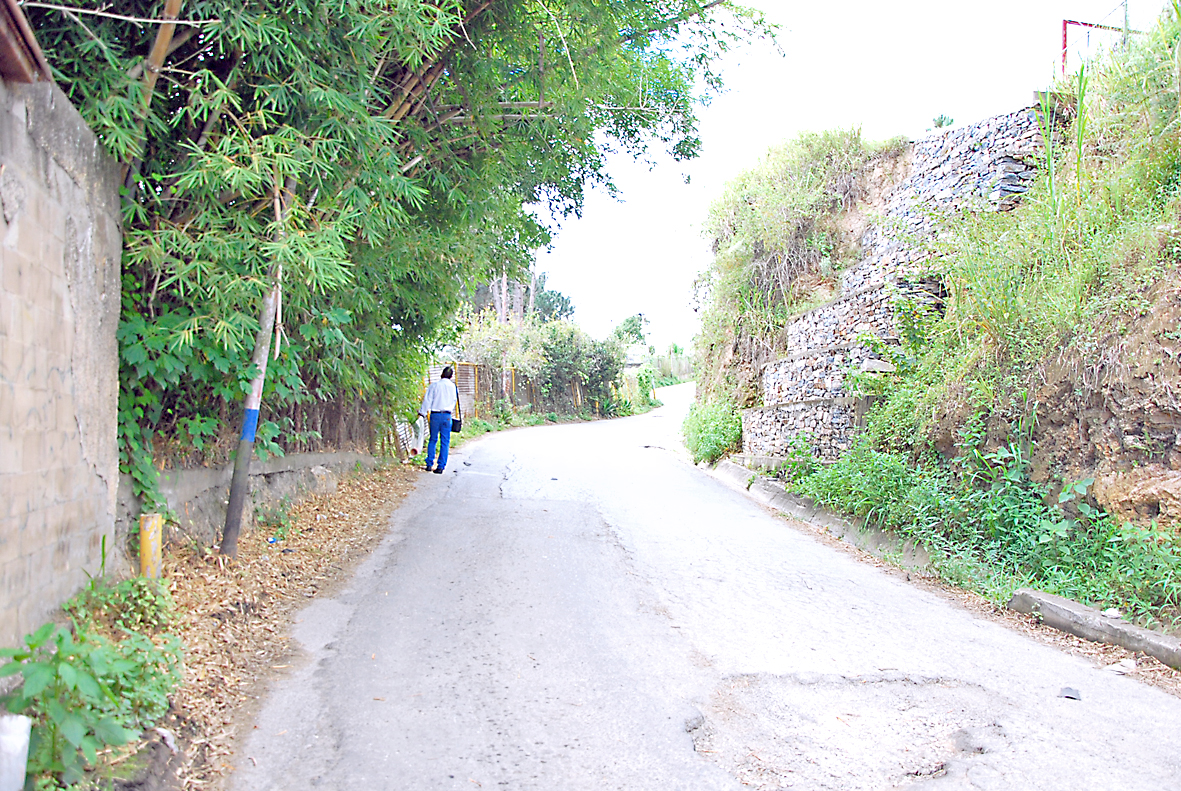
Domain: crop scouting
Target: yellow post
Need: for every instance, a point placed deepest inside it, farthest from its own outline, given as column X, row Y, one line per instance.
column 151, row 535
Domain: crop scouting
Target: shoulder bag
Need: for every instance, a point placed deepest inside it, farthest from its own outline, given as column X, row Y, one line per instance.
column 457, row 422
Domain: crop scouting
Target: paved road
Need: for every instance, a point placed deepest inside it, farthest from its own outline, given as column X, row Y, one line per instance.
column 577, row 607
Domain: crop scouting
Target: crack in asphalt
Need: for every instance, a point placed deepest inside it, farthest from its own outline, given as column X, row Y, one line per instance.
column 505, row 474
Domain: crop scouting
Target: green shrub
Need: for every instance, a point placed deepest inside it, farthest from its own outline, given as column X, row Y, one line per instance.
column 646, row 383
column 800, row 461
column 85, row 691
column 137, row 604
column 668, row 380
column 712, row 430
column 992, row 529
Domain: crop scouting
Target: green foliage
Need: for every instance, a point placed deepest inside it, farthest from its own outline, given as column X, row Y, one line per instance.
column 276, row 520
column 799, row 462
column 941, row 121
column 646, row 383
column 138, row 604
column 711, row 430
column 359, row 154
column 551, row 305
column 603, row 369
column 485, row 340
column 995, row 525
column 85, row 691
column 631, row 330
column 504, row 416
column 668, row 380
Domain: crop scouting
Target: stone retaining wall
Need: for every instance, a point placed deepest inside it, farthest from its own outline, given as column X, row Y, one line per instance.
column 198, row 496
column 985, row 166
column 828, row 424
column 840, row 322
column 817, row 374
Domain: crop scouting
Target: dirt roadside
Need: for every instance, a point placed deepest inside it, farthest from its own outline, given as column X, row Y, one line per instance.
column 233, row 618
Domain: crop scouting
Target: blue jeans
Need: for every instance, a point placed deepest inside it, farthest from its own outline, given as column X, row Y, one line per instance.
column 440, row 423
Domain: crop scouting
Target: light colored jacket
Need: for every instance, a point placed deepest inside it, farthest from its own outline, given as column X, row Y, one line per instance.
column 440, row 397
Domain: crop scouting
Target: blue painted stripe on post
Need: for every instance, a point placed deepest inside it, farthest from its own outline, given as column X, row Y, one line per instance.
column 249, row 425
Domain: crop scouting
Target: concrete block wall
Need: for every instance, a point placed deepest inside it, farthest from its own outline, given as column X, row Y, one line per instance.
column 985, row 166
column 60, row 245
column 197, row 497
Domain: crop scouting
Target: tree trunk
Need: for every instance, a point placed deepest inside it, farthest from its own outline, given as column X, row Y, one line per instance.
column 503, row 317
column 519, row 301
column 151, row 71
column 240, row 484
column 497, row 305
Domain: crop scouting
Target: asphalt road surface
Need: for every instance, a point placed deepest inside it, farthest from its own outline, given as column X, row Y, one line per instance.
column 578, row 607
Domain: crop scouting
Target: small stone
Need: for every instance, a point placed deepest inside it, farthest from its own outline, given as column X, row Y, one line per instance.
column 1122, row 667
column 877, row 367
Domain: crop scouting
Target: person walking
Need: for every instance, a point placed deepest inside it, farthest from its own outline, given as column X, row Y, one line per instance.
column 437, row 406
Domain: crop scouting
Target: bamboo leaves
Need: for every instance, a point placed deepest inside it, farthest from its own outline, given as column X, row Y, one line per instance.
column 407, row 138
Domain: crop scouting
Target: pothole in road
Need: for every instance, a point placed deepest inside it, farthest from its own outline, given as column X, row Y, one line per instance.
column 833, row 732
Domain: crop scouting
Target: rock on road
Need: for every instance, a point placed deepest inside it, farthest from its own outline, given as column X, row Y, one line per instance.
column 578, row 607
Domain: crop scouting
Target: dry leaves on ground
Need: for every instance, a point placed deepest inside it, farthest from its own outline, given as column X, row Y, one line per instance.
column 232, row 613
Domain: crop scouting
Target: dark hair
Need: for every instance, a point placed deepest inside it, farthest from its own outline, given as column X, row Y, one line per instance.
column 447, row 372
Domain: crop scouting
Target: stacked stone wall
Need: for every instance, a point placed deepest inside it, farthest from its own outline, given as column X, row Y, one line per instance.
column 814, row 374
column 827, row 424
column 838, row 323
column 985, row 166
column 60, row 245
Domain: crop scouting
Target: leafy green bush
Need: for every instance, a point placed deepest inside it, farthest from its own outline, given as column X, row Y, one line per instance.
column 800, row 461
column 993, row 529
column 85, row 691
column 646, row 383
column 712, row 430
column 137, row 604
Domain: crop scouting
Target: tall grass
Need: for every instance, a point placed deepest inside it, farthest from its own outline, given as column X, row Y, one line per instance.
column 1023, row 285
column 992, row 529
column 712, row 429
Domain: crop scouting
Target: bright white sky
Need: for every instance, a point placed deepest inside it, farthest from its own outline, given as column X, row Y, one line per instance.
column 887, row 67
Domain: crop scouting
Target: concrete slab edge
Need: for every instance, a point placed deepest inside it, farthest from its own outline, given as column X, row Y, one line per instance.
column 879, row 543
column 1090, row 624
column 1060, row 613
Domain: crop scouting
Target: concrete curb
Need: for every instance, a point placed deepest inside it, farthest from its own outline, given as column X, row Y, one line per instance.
column 1062, row 614
column 876, row 542
column 1090, row 624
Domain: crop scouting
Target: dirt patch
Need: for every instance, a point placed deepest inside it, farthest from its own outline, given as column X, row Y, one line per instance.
column 1111, row 409
column 233, row 617
column 814, row 731
column 874, row 184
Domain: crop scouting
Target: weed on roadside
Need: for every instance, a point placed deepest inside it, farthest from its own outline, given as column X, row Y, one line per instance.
column 98, row 682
